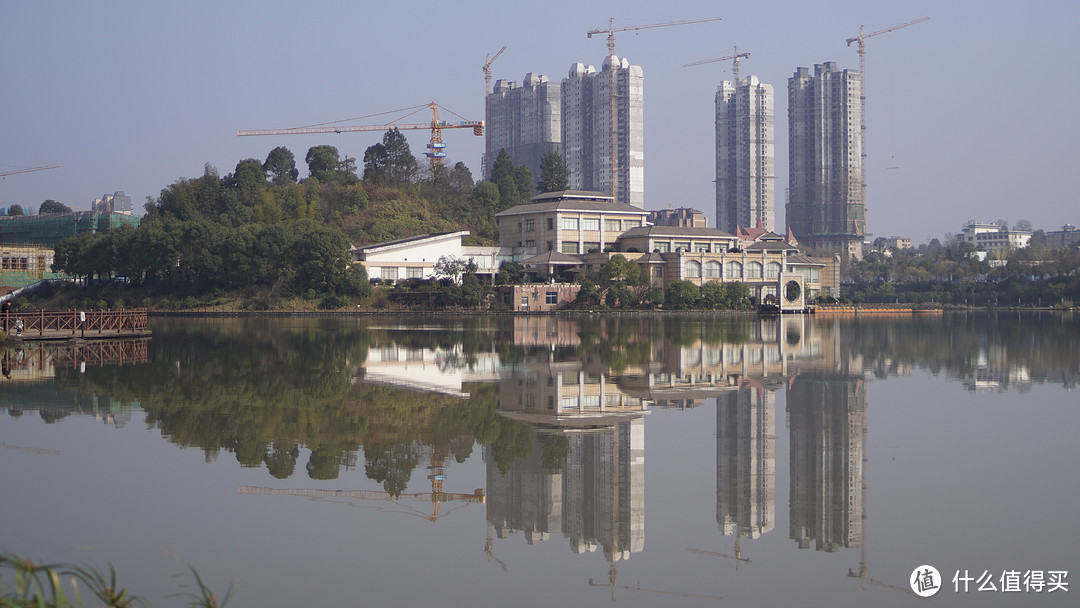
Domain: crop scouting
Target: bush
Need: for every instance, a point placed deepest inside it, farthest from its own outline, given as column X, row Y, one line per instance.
column 331, row 302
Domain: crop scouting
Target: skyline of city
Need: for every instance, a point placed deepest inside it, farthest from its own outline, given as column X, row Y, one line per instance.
column 153, row 107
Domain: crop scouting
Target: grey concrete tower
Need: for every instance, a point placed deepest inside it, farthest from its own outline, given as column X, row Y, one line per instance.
column 524, row 120
column 825, row 210
column 745, row 155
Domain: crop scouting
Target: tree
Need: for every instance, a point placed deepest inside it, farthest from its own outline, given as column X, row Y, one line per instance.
column 391, row 161
column 554, row 176
column 15, row 209
column 1023, row 225
column 681, row 295
column 51, row 206
column 280, row 166
column 323, row 163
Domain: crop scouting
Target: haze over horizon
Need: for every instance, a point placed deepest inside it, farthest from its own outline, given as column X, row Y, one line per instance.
column 133, row 96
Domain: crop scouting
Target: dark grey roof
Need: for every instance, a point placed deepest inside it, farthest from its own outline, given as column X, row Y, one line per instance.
column 572, row 200
column 419, row 237
column 678, row 231
column 802, row 259
column 771, row 246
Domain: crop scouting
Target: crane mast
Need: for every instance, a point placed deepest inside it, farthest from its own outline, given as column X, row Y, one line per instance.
column 610, row 31
column 861, row 40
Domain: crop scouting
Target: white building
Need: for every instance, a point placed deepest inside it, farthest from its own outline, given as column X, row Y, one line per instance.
column 745, row 155
column 993, row 237
column 588, row 139
column 411, row 258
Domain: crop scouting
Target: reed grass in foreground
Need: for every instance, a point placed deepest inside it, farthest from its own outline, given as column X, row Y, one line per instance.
column 64, row 586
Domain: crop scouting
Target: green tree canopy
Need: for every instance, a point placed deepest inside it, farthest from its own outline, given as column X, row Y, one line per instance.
column 15, row 209
column 280, row 166
column 51, row 206
column 554, row 176
column 323, row 163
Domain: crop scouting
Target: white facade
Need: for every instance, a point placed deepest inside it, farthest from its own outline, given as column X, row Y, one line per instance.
column 588, row 139
column 745, row 155
column 992, row 237
column 412, row 258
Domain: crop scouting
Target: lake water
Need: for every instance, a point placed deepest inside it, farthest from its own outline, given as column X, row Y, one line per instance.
column 556, row 461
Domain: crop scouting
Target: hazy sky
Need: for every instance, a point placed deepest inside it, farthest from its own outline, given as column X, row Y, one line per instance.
column 970, row 115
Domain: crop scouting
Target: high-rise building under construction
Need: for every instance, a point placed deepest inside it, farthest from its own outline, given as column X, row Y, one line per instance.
column 745, row 155
column 825, row 208
column 523, row 120
column 575, row 117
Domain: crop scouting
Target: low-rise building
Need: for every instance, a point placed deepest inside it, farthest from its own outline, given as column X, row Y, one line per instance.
column 993, row 237
column 410, row 258
column 570, row 222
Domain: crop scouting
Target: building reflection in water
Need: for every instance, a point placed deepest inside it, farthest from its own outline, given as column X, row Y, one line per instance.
column 827, row 419
column 746, row 461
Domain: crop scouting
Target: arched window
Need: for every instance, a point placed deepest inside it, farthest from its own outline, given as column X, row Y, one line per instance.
column 693, row 269
column 712, row 270
column 733, row 270
column 753, row 270
column 772, row 271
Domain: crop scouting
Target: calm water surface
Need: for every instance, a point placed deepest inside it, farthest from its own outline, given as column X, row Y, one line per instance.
column 554, row 461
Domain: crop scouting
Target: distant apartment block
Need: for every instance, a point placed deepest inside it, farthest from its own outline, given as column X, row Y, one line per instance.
column 825, row 209
column 745, row 155
column 990, row 237
column 898, row 242
column 523, row 120
column 118, row 202
column 588, row 139
column 681, row 216
column 1060, row 239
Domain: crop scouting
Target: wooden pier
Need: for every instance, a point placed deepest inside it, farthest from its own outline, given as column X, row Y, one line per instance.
column 81, row 324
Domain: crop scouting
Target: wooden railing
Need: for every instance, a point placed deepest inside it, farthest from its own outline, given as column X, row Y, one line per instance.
column 77, row 323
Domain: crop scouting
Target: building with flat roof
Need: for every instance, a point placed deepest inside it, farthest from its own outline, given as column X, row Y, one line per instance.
column 825, row 208
column 989, row 237
column 745, row 155
column 588, row 136
column 570, row 222
column 524, row 120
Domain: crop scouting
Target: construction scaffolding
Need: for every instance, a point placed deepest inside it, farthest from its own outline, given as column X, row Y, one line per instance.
column 50, row 229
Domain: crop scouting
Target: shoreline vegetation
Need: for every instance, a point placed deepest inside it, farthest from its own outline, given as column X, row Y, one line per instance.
column 60, row 585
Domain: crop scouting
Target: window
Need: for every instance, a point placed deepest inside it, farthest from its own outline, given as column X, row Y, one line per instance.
column 682, row 246
column 701, row 247
column 552, row 297
column 414, row 273
column 663, row 247
column 733, row 270
column 753, row 270
column 590, row 224
column 530, row 243
column 628, row 224
column 612, row 225
column 530, row 225
column 592, row 247
column 772, row 271
column 389, row 273
column 550, row 223
column 712, row 269
column 569, row 223
column 658, row 272
column 693, row 269
column 569, row 247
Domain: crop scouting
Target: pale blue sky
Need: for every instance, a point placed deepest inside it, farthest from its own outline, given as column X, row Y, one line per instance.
column 975, row 107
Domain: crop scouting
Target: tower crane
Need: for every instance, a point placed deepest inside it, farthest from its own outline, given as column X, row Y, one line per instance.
column 437, row 476
column 7, row 173
column 436, row 148
column 487, row 103
column 610, row 31
column 734, row 65
column 861, row 39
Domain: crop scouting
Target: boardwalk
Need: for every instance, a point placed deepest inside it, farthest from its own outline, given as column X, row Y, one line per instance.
column 84, row 324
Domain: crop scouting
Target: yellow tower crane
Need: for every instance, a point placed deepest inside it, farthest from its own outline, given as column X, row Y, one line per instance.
column 861, row 39
column 734, row 65
column 613, row 69
column 436, row 148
